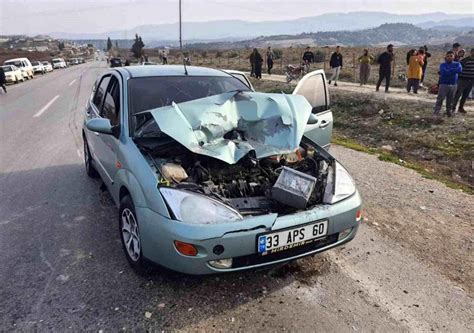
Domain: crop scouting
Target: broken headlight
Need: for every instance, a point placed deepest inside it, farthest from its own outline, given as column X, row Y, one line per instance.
column 339, row 184
column 195, row 208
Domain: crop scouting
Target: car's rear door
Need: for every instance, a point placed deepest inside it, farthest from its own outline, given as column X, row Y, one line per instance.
column 313, row 86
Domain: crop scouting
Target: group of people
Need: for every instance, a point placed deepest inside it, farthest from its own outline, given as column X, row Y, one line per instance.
column 256, row 62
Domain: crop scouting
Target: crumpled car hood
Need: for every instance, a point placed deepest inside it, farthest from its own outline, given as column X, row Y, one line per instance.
column 268, row 124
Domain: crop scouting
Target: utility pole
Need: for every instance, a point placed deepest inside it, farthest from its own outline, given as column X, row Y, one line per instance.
column 180, row 29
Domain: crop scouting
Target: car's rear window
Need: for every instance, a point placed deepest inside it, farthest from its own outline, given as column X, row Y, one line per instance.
column 153, row 92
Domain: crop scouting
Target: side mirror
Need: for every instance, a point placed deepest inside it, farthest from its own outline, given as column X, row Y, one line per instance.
column 312, row 119
column 99, row 125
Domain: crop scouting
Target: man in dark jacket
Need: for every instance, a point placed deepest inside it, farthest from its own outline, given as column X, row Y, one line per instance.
column 448, row 77
column 385, row 70
column 425, row 63
column 465, row 82
column 308, row 56
column 3, row 80
column 336, row 65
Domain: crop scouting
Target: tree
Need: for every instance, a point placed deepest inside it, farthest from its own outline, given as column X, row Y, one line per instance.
column 61, row 46
column 109, row 44
column 137, row 47
column 116, row 44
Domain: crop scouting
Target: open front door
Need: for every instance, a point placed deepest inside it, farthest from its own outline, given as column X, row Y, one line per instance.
column 313, row 86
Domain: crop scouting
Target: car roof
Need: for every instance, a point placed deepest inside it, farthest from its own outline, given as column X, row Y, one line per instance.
column 16, row 59
column 170, row 70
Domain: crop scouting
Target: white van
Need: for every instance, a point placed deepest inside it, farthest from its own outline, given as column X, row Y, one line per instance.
column 24, row 65
column 59, row 63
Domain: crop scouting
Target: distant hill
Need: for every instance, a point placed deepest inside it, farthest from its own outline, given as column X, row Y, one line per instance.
column 395, row 33
column 239, row 30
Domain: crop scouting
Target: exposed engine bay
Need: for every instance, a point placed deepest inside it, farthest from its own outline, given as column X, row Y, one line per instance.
column 278, row 184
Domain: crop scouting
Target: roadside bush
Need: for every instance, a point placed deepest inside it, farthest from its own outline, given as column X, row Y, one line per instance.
column 219, row 54
column 233, row 54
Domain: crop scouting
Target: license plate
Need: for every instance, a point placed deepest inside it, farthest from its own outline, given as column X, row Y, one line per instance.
column 290, row 238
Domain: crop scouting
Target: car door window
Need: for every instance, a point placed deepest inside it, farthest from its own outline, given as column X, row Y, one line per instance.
column 100, row 92
column 313, row 87
column 111, row 106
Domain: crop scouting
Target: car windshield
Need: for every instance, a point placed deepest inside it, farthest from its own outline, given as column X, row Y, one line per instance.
column 45, row 63
column 148, row 93
column 7, row 68
column 56, row 60
column 35, row 63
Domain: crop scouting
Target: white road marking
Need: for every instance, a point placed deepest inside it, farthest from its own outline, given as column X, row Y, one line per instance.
column 40, row 112
column 72, row 82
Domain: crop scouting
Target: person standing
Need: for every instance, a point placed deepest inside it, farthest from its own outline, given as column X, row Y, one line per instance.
column 164, row 57
column 308, row 56
column 270, row 57
column 365, row 61
column 448, row 77
column 336, row 65
column 465, row 82
column 385, row 70
column 455, row 49
column 425, row 63
column 258, row 63
column 415, row 71
column 252, row 63
column 3, row 80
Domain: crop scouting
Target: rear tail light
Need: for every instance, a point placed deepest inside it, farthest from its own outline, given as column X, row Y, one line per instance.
column 359, row 215
column 185, row 248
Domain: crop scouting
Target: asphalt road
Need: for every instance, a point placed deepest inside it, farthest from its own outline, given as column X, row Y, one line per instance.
column 62, row 266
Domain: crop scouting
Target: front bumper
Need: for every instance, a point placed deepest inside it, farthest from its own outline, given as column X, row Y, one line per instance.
column 10, row 79
column 158, row 234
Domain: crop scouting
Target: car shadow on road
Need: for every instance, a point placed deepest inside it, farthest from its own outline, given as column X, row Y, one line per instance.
column 72, row 271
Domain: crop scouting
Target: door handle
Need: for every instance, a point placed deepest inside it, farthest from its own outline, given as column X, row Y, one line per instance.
column 324, row 124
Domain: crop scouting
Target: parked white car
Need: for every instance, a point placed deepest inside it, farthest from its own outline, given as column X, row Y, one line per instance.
column 59, row 63
column 24, row 65
column 47, row 66
column 13, row 74
column 38, row 67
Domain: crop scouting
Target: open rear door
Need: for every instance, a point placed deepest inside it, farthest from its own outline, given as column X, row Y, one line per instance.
column 313, row 86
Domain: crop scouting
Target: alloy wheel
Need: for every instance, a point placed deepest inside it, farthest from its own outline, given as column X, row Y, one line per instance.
column 130, row 234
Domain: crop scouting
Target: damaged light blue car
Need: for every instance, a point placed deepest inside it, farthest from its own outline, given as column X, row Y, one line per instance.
column 210, row 176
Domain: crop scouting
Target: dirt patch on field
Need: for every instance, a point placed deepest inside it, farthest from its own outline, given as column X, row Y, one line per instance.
column 407, row 133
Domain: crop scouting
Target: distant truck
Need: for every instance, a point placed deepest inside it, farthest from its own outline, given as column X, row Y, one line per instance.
column 59, row 63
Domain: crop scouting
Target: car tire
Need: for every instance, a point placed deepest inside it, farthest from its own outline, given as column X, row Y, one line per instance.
column 90, row 170
column 130, row 235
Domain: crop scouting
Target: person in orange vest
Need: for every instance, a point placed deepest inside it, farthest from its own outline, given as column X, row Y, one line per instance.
column 415, row 71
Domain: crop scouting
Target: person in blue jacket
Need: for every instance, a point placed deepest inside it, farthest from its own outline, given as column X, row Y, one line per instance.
column 448, row 78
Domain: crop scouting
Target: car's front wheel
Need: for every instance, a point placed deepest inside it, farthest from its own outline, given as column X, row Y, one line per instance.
column 130, row 234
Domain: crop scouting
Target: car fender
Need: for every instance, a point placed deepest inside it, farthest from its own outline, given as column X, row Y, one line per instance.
column 146, row 198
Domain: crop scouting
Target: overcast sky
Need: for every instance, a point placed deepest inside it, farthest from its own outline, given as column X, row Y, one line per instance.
column 92, row 16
